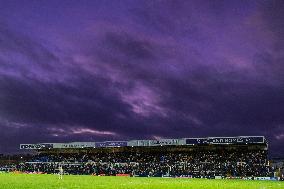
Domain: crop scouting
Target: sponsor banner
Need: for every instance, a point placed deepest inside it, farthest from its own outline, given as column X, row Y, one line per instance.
column 184, row 176
column 118, row 143
column 57, row 145
column 240, row 178
column 143, row 142
column 192, row 141
column 235, row 140
column 248, row 178
column 166, row 142
column 160, row 142
column 100, row 144
column 122, row 175
column 111, row 144
column 132, row 143
column 274, row 178
column 261, row 178
column 74, row 145
column 266, row 178
column 218, row 177
column 226, row 140
column 35, row 146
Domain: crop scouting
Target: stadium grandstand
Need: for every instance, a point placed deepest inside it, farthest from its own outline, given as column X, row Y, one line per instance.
column 212, row 157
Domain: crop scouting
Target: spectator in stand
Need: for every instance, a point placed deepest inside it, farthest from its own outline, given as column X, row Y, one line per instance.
column 194, row 163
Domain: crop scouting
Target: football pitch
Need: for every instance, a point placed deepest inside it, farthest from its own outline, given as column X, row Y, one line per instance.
column 23, row 181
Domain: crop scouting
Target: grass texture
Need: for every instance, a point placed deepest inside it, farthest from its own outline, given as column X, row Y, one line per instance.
column 24, row 181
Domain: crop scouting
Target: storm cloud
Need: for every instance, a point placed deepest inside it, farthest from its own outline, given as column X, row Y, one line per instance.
column 96, row 70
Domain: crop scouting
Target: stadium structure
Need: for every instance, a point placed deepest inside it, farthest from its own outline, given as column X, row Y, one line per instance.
column 213, row 157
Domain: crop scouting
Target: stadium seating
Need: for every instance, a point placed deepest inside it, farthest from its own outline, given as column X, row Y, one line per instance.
column 225, row 163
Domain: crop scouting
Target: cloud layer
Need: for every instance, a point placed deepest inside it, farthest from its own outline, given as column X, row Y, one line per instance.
column 130, row 70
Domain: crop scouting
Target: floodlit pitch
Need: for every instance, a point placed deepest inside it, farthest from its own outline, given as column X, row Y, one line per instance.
column 24, row 181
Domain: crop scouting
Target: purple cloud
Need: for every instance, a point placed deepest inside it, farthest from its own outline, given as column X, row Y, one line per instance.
column 97, row 70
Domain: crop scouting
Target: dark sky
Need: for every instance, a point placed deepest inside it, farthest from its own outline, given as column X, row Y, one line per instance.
column 121, row 70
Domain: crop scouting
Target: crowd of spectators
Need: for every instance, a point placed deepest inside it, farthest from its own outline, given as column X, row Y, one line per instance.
column 225, row 163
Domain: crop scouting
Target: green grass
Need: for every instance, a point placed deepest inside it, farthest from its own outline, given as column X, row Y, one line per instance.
column 23, row 181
